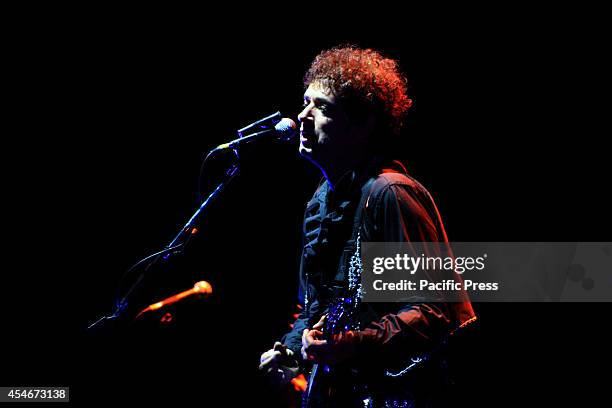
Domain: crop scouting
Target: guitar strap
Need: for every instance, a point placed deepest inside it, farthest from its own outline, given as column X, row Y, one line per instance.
column 352, row 259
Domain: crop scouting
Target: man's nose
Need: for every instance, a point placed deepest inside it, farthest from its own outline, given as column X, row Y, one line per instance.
column 305, row 113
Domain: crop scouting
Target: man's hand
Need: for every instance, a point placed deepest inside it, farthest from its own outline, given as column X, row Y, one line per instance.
column 339, row 348
column 279, row 364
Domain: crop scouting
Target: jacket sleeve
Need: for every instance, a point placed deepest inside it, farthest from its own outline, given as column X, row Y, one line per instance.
column 310, row 308
column 404, row 213
column 407, row 213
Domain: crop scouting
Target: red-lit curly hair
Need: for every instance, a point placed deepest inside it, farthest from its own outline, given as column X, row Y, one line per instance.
column 363, row 80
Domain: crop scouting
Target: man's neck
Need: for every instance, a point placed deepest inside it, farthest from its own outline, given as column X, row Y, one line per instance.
column 336, row 174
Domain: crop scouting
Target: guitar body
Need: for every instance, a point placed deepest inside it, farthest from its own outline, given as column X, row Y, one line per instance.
column 322, row 388
column 342, row 385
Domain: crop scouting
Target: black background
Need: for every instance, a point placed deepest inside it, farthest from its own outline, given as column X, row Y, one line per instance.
column 112, row 112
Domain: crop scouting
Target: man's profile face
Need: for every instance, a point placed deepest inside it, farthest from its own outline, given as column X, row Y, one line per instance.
column 324, row 129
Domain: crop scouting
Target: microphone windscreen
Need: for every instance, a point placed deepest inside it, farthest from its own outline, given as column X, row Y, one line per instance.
column 286, row 125
column 203, row 287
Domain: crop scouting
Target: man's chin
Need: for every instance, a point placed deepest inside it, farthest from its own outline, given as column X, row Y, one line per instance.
column 307, row 154
column 305, row 151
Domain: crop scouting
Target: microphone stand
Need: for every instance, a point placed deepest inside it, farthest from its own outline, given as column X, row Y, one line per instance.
column 178, row 244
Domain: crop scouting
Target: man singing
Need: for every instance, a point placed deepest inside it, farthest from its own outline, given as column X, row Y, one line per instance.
column 362, row 354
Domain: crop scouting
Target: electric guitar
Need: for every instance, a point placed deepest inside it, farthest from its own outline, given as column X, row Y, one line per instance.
column 340, row 318
column 323, row 380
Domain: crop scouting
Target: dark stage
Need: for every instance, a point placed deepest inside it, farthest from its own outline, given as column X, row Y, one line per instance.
column 503, row 133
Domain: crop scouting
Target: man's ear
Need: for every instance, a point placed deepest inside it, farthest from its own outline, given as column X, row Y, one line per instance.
column 366, row 129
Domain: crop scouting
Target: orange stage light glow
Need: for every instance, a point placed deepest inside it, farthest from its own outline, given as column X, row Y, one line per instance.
column 201, row 287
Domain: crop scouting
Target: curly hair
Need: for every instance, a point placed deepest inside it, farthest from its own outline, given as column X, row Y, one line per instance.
column 363, row 80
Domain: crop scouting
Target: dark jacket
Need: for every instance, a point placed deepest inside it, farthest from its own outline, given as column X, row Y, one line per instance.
column 376, row 204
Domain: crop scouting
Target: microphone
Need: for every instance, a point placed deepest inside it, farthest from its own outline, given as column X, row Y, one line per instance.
column 202, row 288
column 284, row 130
